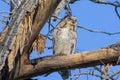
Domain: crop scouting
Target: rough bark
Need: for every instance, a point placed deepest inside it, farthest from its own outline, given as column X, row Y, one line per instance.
column 27, row 21
column 79, row 60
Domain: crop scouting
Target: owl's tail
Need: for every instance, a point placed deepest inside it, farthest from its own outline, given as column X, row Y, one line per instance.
column 65, row 74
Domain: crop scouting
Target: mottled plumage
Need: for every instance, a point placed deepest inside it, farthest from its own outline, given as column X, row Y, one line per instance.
column 64, row 39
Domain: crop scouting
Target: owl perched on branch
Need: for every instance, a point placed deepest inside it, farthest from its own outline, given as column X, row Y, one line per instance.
column 64, row 40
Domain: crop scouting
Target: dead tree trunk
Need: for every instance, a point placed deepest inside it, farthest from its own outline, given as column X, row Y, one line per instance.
column 27, row 21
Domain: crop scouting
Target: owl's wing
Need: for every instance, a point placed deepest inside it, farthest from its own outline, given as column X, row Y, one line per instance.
column 73, row 39
column 55, row 35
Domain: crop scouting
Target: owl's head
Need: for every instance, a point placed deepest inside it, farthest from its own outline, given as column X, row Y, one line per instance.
column 71, row 21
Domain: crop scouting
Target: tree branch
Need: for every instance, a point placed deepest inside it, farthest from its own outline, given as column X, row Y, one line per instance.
column 97, row 31
column 116, row 3
column 79, row 60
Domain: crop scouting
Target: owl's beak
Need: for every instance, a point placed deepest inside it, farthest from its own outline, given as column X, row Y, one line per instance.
column 74, row 21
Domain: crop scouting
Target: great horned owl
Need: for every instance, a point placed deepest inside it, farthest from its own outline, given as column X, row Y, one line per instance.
column 64, row 40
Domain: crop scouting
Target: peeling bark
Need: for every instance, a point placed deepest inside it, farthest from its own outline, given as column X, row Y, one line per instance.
column 27, row 21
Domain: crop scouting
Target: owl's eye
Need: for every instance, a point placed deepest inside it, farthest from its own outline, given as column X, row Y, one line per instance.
column 73, row 21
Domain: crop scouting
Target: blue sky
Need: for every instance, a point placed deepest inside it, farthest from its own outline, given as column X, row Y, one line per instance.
column 93, row 16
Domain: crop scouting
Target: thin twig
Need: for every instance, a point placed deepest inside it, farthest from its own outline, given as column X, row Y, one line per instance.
column 63, row 4
column 6, row 2
column 4, row 16
column 49, row 21
column 116, row 3
column 14, row 4
column 68, row 10
column 116, row 11
column 114, row 74
column 49, row 30
column 3, row 12
column 86, row 73
column 98, row 69
column 2, row 21
column 50, row 25
column 117, row 76
column 59, row 8
column 97, row 31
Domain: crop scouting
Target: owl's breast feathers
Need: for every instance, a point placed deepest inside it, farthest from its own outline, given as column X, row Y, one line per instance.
column 64, row 37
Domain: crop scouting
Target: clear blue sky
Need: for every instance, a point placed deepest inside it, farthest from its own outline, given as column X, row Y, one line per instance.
column 93, row 16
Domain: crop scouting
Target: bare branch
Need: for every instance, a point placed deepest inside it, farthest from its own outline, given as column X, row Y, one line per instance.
column 118, row 76
column 49, row 29
column 88, row 73
column 116, row 3
column 98, row 69
column 116, row 11
column 4, row 16
column 6, row 2
column 59, row 7
column 114, row 74
column 63, row 4
column 2, row 21
column 79, row 60
column 3, row 12
column 68, row 10
column 14, row 4
column 98, row 31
